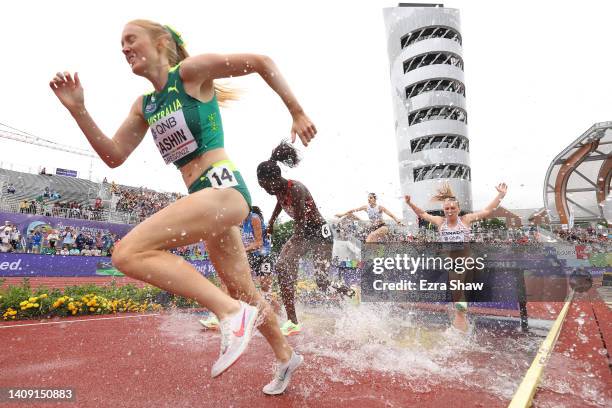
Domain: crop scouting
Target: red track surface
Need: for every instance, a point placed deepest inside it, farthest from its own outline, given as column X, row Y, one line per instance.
column 165, row 360
column 579, row 372
column 126, row 363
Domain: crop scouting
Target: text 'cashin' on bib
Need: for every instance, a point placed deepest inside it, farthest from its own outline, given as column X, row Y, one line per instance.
column 172, row 137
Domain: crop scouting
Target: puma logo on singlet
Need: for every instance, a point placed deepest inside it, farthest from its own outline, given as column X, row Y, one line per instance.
column 173, row 88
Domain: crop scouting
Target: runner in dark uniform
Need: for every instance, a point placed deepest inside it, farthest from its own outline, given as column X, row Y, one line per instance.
column 311, row 231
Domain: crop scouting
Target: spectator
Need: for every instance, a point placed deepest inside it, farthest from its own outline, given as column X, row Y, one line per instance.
column 46, row 206
column 75, row 251
column 80, row 241
column 65, row 251
column 99, row 241
column 24, row 207
column 107, row 243
column 68, row 237
column 5, row 237
column 36, row 241
column 16, row 239
column 114, row 241
column 10, row 189
column 56, row 210
column 43, row 171
column 46, row 193
column 89, row 241
column 29, row 244
column 52, row 238
column 86, row 251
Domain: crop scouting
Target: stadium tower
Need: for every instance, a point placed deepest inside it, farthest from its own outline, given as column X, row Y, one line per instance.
column 428, row 89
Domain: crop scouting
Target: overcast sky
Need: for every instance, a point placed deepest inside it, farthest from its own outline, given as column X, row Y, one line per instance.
column 537, row 76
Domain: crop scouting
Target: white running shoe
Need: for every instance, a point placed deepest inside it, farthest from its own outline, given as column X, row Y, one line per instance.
column 236, row 332
column 283, row 375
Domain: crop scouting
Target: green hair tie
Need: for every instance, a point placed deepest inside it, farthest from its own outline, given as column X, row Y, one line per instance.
column 175, row 35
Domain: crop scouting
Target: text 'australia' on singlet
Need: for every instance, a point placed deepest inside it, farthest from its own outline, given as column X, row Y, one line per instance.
column 182, row 126
column 460, row 233
column 248, row 234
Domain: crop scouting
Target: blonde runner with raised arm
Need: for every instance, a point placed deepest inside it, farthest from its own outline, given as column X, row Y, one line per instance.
column 183, row 114
column 455, row 228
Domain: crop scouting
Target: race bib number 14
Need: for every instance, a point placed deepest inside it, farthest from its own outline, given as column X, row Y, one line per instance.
column 222, row 177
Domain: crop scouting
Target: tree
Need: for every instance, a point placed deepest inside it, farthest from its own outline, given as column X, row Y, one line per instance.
column 281, row 234
column 490, row 224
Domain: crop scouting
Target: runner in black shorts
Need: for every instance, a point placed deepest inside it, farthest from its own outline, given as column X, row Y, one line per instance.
column 311, row 231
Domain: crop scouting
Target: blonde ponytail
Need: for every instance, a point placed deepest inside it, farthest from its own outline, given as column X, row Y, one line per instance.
column 444, row 193
column 176, row 52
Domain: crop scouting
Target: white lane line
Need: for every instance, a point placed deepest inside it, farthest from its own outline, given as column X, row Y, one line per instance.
column 76, row 321
column 523, row 397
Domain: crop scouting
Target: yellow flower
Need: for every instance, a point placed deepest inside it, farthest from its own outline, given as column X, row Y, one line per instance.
column 91, row 309
column 35, row 305
column 33, row 299
column 25, row 302
column 43, row 296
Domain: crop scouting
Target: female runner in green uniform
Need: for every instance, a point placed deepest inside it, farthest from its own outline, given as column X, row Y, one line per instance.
column 183, row 115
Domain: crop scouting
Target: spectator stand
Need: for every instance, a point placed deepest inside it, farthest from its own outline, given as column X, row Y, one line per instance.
column 76, row 198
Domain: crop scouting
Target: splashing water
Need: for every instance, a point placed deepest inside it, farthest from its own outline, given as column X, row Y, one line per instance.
column 414, row 346
column 184, row 330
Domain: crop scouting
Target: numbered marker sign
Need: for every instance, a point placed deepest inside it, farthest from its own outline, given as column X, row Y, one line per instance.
column 326, row 231
column 222, row 177
column 266, row 267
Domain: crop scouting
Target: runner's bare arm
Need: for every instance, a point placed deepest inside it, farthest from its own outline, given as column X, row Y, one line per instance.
column 486, row 212
column 113, row 151
column 207, row 67
column 434, row 219
column 275, row 214
column 390, row 214
column 258, row 243
column 362, row 208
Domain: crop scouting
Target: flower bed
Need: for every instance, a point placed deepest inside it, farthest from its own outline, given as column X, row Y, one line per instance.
column 22, row 302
